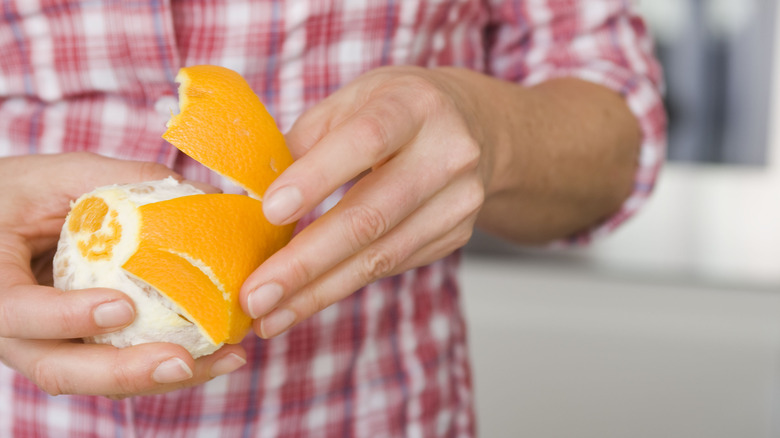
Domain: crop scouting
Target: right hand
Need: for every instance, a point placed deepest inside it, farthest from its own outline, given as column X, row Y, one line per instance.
column 41, row 327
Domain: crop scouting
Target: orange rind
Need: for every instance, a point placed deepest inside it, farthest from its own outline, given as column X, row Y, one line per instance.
column 180, row 254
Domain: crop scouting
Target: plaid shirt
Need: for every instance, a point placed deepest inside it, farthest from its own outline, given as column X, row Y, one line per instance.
column 391, row 360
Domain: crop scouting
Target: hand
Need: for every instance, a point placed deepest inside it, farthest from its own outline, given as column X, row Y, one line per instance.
column 406, row 130
column 40, row 325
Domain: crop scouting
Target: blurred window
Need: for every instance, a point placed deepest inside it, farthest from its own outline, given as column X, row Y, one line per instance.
column 717, row 55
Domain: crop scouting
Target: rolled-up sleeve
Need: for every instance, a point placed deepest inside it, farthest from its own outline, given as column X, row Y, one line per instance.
column 600, row 41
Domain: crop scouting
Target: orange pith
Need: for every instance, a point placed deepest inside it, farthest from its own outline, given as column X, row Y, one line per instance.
column 197, row 250
column 226, row 134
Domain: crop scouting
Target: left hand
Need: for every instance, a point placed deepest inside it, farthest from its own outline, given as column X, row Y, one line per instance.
column 40, row 326
column 411, row 134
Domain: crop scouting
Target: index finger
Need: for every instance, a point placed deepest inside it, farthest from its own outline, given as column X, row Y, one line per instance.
column 31, row 311
column 369, row 136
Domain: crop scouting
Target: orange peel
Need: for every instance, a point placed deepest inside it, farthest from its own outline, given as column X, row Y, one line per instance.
column 180, row 254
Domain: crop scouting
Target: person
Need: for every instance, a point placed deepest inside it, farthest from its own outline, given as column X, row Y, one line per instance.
column 412, row 123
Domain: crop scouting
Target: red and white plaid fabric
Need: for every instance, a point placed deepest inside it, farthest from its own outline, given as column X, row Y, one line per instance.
column 391, row 360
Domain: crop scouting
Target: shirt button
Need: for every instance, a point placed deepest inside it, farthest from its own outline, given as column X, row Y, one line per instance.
column 167, row 105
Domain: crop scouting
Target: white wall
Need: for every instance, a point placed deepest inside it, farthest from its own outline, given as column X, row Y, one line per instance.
column 561, row 351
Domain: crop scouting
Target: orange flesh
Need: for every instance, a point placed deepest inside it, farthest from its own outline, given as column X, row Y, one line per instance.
column 88, row 216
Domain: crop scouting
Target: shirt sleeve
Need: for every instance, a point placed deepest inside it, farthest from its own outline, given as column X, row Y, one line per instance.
column 601, row 41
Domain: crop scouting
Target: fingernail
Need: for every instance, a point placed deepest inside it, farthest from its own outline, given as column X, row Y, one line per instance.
column 263, row 299
column 113, row 314
column 227, row 364
column 282, row 204
column 172, row 371
column 277, row 322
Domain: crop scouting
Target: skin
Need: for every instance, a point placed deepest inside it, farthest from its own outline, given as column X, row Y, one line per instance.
column 440, row 152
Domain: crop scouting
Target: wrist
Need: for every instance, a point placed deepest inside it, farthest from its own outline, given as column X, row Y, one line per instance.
column 491, row 108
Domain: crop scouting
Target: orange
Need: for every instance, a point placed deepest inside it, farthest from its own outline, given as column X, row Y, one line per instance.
column 180, row 254
column 237, row 128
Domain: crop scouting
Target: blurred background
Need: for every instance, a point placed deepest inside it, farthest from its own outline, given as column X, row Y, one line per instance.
column 671, row 326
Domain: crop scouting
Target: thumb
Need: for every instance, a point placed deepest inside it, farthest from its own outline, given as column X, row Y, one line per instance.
column 104, row 171
column 49, row 182
column 37, row 187
column 85, row 171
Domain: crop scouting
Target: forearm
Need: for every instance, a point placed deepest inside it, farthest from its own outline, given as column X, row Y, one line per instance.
column 557, row 158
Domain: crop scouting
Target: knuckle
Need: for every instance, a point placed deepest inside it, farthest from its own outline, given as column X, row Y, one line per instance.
column 12, row 306
column 466, row 155
column 474, row 197
column 315, row 302
column 417, row 84
column 69, row 321
column 298, row 270
column 148, row 171
column 472, row 155
column 7, row 325
column 428, row 97
column 372, row 134
column 45, row 377
column 364, row 225
column 125, row 381
column 79, row 156
column 462, row 236
column 376, row 263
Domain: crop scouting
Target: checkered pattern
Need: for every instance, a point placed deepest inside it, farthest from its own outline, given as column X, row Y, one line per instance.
column 391, row 360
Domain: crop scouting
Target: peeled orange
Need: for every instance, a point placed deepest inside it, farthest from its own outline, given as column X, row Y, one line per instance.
column 180, row 254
